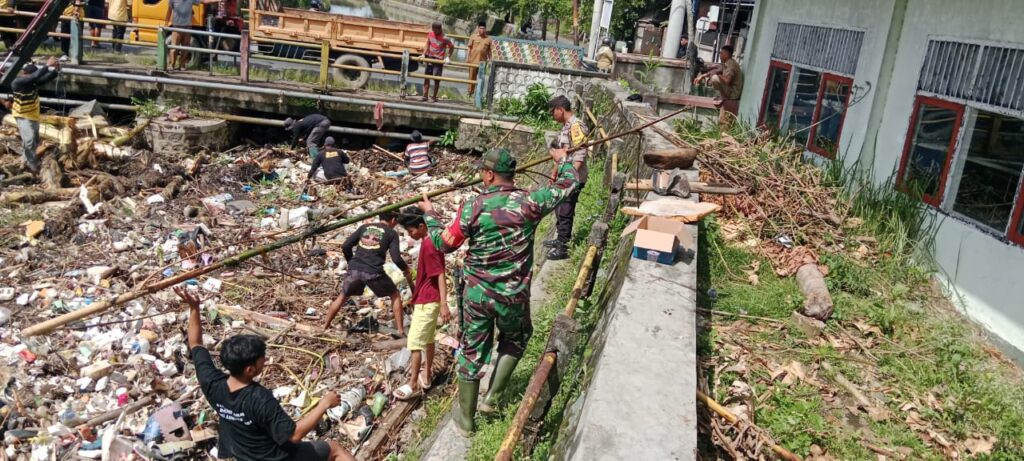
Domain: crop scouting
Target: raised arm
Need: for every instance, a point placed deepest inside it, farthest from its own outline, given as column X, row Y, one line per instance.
column 449, row 239
column 542, row 201
column 195, row 317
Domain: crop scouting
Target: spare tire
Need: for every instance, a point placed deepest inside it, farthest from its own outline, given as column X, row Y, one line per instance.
column 352, row 78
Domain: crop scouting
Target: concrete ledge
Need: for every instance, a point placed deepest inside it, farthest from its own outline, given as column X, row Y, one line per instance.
column 640, row 403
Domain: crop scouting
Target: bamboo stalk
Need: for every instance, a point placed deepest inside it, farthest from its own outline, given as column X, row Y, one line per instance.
column 581, row 279
column 49, row 325
column 732, row 419
column 540, row 376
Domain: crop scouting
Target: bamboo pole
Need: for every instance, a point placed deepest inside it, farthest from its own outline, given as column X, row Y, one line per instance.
column 540, row 376
column 49, row 325
column 732, row 419
column 581, row 279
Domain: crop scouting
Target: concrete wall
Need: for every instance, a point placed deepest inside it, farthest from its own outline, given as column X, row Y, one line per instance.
column 981, row 270
column 670, row 75
column 871, row 16
column 508, row 80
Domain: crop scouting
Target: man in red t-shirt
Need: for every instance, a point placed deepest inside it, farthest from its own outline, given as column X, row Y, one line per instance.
column 429, row 299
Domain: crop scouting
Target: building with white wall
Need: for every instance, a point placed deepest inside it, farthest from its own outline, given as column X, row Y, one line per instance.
column 920, row 93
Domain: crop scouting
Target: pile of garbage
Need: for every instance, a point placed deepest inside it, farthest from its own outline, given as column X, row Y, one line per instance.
column 120, row 384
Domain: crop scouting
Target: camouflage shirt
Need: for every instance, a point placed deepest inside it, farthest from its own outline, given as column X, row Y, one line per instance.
column 499, row 224
column 574, row 134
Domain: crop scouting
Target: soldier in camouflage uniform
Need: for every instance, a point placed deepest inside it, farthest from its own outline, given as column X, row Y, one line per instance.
column 500, row 224
column 572, row 136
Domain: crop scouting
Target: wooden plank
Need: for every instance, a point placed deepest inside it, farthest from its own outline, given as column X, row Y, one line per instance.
column 387, row 429
column 239, row 313
column 645, row 185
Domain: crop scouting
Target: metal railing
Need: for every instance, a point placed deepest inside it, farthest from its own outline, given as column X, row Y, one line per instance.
column 245, row 54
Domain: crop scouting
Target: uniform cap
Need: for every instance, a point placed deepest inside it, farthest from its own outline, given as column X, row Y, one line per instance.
column 498, row 161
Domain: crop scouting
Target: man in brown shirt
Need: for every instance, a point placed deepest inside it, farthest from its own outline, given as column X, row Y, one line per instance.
column 479, row 51
column 727, row 79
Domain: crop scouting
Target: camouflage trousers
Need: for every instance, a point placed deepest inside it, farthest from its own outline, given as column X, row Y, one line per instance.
column 478, row 322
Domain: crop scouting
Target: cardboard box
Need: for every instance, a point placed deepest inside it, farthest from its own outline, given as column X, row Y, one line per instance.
column 657, row 239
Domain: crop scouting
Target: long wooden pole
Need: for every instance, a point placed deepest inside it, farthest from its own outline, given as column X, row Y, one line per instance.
column 104, row 305
column 540, row 376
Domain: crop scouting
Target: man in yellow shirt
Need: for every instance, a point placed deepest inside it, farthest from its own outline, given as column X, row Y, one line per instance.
column 479, row 51
column 65, row 26
column 25, row 108
column 606, row 57
column 117, row 10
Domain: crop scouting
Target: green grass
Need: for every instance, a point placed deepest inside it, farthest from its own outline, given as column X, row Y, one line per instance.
column 926, row 350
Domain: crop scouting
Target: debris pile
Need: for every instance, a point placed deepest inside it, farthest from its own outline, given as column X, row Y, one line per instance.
column 122, row 382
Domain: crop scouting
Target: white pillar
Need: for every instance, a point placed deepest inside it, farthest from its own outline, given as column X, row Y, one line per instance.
column 595, row 29
column 676, row 22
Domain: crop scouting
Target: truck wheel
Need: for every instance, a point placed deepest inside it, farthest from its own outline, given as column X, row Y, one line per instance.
column 352, row 78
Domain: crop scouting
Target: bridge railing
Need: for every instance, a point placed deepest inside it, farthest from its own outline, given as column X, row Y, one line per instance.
column 246, row 54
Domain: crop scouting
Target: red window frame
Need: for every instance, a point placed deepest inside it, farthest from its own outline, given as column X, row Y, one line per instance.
column 812, row 136
column 767, row 87
column 1015, row 235
column 957, row 127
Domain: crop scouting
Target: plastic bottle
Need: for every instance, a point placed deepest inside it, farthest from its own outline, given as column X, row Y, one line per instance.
column 350, row 399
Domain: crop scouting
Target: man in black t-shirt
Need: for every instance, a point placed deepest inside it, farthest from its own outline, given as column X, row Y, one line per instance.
column 313, row 127
column 366, row 250
column 252, row 424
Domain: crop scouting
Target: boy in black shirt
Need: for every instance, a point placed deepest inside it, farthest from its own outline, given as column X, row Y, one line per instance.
column 253, row 426
column 365, row 250
column 333, row 160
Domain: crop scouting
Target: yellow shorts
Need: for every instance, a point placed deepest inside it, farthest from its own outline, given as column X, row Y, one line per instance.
column 424, row 325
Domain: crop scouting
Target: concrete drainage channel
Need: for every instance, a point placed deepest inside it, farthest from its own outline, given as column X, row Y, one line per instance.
column 641, row 317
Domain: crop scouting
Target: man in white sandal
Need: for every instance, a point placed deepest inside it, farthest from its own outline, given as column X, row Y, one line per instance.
column 429, row 299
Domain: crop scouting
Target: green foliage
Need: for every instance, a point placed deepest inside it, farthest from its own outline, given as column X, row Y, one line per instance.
column 463, row 9
column 449, row 138
column 646, row 75
column 147, row 108
column 532, row 109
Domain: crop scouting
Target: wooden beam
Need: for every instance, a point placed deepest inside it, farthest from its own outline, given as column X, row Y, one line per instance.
column 645, row 185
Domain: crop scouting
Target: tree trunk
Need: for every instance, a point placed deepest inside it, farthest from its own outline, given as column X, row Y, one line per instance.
column 576, row 22
column 558, row 28
column 544, row 28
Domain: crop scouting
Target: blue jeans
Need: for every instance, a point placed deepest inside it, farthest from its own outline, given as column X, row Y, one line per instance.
column 29, row 130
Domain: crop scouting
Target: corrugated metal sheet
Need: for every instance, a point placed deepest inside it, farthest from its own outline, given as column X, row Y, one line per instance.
column 983, row 73
column 828, row 48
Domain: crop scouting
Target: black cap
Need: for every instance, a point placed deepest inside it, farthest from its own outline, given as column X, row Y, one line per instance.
column 416, row 136
column 30, row 68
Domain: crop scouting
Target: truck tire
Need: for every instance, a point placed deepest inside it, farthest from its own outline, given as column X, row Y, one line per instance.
column 352, row 78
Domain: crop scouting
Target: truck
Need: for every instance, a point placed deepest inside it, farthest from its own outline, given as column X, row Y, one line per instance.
column 354, row 41
column 154, row 13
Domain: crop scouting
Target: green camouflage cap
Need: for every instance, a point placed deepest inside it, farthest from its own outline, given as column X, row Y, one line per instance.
column 498, row 161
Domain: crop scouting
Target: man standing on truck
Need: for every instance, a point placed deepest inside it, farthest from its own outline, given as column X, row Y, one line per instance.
column 179, row 16
column 479, row 51
column 439, row 47
column 26, row 106
column 312, row 127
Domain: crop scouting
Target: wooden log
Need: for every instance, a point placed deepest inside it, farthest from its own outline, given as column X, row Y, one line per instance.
column 680, row 157
column 239, row 313
column 698, row 187
column 818, row 302
column 131, row 134
column 387, row 429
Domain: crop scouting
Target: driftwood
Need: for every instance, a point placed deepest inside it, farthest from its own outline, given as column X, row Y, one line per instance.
column 239, row 313
column 695, row 186
column 818, row 302
column 387, row 429
column 131, row 134
column 681, row 157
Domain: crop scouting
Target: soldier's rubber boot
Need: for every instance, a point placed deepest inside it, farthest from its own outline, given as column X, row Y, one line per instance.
column 468, row 392
column 503, row 368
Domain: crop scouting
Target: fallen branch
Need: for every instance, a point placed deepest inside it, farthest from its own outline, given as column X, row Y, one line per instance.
column 732, row 419
column 131, row 134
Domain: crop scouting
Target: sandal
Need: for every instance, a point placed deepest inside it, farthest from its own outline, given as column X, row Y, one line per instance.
column 424, row 383
column 406, row 392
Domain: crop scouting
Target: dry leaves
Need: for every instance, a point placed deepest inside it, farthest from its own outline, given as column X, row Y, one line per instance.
column 752, row 273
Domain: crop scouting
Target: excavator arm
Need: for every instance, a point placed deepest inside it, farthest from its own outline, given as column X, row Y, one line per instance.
column 35, row 34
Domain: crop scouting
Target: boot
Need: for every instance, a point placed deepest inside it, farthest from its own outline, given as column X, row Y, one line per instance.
column 503, row 368
column 468, row 391
column 558, row 253
column 552, row 243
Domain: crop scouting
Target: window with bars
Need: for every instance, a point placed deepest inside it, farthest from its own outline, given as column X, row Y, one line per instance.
column 964, row 151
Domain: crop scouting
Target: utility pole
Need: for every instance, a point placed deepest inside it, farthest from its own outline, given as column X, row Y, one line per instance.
column 576, row 22
column 677, row 15
column 595, row 29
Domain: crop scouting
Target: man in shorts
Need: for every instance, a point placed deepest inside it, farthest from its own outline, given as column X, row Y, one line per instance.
column 179, row 16
column 366, row 250
column 440, row 48
column 253, row 426
column 429, row 300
